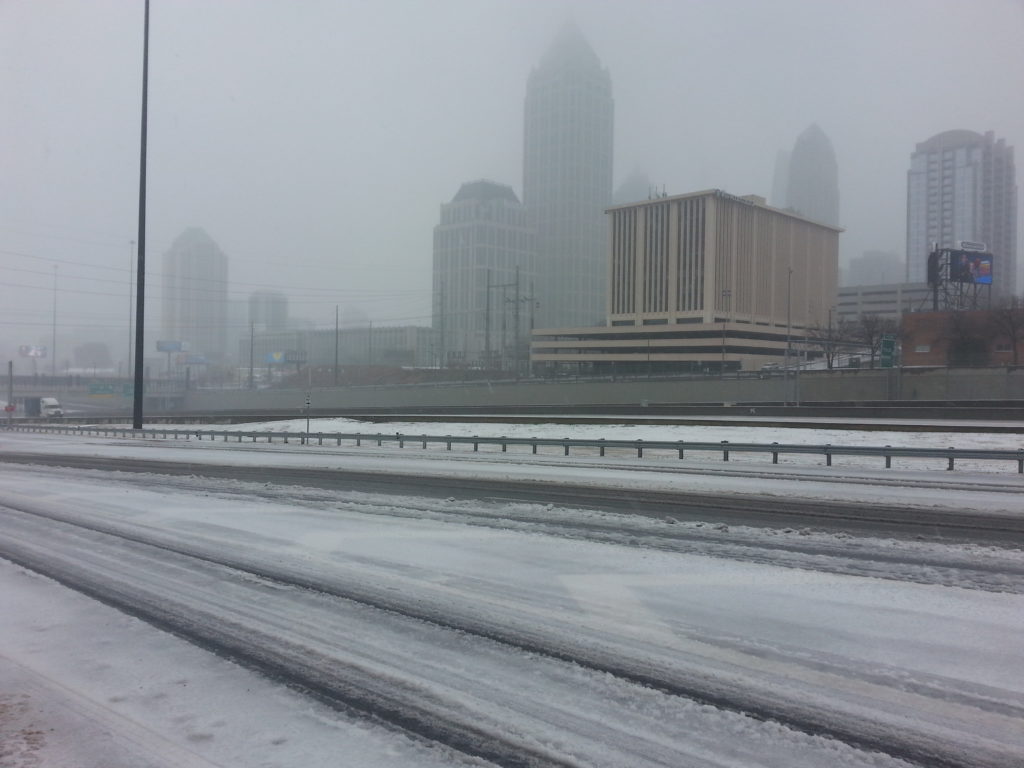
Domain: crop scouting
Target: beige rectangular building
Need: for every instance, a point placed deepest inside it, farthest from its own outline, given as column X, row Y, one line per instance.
column 703, row 281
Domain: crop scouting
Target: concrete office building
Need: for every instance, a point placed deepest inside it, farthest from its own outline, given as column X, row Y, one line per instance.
column 889, row 300
column 268, row 310
column 962, row 186
column 704, row 281
column 195, row 296
column 484, row 276
column 812, row 180
column 567, row 179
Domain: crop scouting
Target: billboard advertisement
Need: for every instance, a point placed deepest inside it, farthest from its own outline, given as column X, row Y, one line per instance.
column 970, row 267
column 168, row 346
column 26, row 350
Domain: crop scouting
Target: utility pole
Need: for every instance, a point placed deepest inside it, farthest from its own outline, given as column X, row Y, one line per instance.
column 516, row 335
column 140, row 288
column 10, row 392
column 442, row 340
column 336, row 345
column 252, row 350
column 726, row 295
column 53, row 344
column 789, row 329
column 487, row 322
column 533, row 305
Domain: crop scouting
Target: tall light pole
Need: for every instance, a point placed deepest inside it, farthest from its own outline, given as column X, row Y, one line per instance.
column 789, row 329
column 140, row 286
column 131, row 302
column 335, row 345
column 726, row 295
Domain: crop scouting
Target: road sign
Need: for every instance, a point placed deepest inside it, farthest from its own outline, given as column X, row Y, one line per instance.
column 888, row 350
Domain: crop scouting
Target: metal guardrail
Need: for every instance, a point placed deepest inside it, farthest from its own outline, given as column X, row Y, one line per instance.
column 724, row 447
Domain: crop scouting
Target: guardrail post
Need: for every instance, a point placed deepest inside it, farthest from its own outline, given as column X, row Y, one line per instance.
column 725, row 450
column 828, row 455
column 448, row 442
column 639, row 449
column 775, row 455
column 888, row 459
column 565, row 446
column 424, row 442
column 286, row 439
column 476, row 445
column 533, row 447
column 601, row 448
column 504, row 445
column 359, row 440
column 239, row 437
column 380, row 439
column 339, row 439
column 401, row 439
column 1020, row 463
column 950, row 467
column 319, row 438
column 225, row 437
column 679, row 447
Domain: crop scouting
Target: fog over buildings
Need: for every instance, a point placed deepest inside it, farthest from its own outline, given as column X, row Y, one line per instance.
column 962, row 186
column 314, row 142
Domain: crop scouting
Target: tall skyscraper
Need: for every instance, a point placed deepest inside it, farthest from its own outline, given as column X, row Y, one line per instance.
column 484, row 254
column 962, row 186
column 567, row 179
column 195, row 292
column 812, row 184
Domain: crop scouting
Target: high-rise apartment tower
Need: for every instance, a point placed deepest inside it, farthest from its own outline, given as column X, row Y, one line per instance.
column 567, row 179
column 962, row 186
column 195, row 292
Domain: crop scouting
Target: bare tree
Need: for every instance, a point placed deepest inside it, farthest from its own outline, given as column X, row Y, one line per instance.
column 871, row 329
column 831, row 339
column 1008, row 322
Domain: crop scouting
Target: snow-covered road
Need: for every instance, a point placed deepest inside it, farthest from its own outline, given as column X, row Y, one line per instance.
column 521, row 634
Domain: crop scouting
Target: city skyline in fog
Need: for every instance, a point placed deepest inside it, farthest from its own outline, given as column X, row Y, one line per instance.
column 315, row 142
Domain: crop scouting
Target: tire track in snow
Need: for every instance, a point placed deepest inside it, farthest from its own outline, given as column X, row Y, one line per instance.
column 852, row 724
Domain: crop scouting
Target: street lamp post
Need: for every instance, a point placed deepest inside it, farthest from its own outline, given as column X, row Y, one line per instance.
column 789, row 330
column 140, row 286
column 726, row 295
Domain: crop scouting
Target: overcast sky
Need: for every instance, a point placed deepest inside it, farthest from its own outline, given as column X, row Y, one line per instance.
column 315, row 140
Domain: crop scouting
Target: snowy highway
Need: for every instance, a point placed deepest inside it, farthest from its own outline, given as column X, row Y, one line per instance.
column 419, row 629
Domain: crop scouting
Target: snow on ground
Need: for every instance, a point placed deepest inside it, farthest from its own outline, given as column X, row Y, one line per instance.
column 78, row 670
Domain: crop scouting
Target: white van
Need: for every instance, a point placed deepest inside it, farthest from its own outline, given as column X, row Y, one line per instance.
column 50, row 408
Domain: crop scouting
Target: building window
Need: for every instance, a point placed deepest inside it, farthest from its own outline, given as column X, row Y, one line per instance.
column 923, row 348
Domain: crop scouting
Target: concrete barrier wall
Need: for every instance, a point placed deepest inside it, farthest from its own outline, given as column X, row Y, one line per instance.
column 818, row 386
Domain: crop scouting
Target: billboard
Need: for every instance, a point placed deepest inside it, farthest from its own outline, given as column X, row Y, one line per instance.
column 970, row 267
column 169, row 346
column 26, row 350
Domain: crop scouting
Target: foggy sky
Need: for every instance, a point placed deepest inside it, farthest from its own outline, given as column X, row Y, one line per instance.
column 315, row 141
